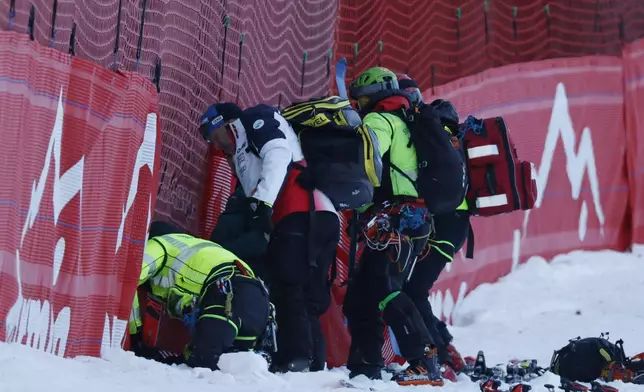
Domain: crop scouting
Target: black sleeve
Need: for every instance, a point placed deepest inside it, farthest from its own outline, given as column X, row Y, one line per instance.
column 247, row 246
column 232, row 221
column 261, row 126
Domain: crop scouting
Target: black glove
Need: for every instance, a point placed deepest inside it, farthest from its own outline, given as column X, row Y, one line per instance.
column 260, row 216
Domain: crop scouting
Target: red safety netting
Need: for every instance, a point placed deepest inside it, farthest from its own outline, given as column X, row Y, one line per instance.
column 634, row 122
column 442, row 40
column 435, row 41
column 189, row 39
column 79, row 153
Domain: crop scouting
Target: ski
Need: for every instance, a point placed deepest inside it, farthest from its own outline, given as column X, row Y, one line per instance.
column 340, row 76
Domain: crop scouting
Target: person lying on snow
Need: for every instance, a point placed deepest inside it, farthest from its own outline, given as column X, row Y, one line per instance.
column 267, row 159
column 401, row 222
column 216, row 294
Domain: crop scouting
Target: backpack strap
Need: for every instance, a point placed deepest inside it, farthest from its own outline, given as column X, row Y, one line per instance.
column 165, row 259
column 470, row 235
column 334, row 271
column 391, row 164
column 469, row 252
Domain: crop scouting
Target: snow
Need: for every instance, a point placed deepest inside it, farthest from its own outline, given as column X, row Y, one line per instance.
column 526, row 315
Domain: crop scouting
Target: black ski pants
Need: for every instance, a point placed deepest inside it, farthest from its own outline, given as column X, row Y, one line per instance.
column 451, row 231
column 374, row 297
column 300, row 255
column 218, row 331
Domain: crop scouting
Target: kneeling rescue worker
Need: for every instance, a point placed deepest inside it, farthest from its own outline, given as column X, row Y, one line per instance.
column 214, row 292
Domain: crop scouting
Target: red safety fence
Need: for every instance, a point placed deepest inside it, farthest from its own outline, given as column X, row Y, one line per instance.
column 634, row 122
column 203, row 51
column 80, row 163
column 441, row 40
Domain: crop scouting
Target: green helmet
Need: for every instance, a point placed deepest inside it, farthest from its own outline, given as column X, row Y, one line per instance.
column 373, row 80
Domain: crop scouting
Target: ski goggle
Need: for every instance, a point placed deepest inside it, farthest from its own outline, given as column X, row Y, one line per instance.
column 355, row 92
column 416, row 95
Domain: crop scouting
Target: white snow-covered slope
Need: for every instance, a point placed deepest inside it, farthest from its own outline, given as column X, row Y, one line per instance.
column 526, row 315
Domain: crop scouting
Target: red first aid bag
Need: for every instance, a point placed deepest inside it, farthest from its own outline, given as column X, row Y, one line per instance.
column 499, row 181
column 160, row 330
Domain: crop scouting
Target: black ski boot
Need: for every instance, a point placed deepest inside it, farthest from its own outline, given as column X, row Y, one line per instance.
column 365, row 364
column 422, row 371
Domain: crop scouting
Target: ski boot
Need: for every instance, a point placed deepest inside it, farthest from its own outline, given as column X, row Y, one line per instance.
column 469, row 365
column 490, row 385
column 636, row 364
column 476, row 368
column 358, row 364
column 457, row 362
column 448, row 372
column 422, row 371
column 526, row 370
column 369, row 371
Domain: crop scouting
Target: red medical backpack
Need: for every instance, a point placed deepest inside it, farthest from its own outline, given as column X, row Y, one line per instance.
column 499, row 181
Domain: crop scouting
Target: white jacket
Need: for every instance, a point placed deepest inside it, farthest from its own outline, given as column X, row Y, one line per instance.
column 266, row 146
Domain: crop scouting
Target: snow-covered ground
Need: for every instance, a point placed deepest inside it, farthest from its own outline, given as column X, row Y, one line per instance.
column 526, row 315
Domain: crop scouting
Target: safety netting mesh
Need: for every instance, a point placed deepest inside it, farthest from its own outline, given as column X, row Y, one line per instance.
column 279, row 51
column 207, row 51
column 436, row 41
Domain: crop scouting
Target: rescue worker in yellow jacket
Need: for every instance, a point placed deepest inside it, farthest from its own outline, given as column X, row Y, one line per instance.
column 399, row 230
column 216, row 294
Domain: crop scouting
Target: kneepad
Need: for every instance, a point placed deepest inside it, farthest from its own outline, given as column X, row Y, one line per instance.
column 401, row 310
column 412, row 335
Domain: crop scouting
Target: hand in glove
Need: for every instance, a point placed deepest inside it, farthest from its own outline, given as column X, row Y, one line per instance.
column 260, row 216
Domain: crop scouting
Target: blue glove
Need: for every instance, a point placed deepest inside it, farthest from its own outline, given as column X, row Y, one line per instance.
column 190, row 319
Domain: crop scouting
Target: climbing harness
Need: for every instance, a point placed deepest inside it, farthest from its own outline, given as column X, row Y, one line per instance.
column 389, row 228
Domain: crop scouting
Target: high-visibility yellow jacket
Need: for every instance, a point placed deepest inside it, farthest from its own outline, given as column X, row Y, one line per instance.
column 177, row 266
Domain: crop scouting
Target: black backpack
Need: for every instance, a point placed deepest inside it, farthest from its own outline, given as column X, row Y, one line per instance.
column 342, row 155
column 584, row 359
column 442, row 175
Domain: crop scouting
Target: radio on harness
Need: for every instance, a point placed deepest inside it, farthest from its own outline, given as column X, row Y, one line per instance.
column 499, row 181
